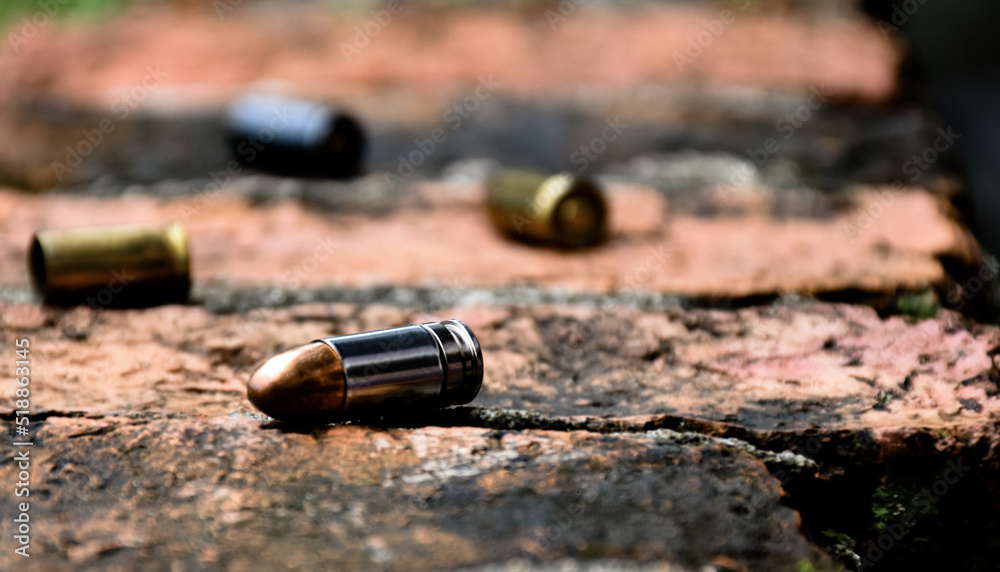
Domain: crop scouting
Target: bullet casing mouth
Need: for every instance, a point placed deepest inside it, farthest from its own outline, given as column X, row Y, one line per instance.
column 122, row 266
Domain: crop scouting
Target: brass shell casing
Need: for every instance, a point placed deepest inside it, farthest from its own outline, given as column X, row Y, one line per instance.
column 559, row 210
column 124, row 266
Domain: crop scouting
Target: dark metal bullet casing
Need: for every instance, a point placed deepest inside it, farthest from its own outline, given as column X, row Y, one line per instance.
column 294, row 137
column 436, row 363
column 559, row 210
column 123, row 266
column 425, row 366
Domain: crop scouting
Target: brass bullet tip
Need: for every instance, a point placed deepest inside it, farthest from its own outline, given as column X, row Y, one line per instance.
column 428, row 366
column 303, row 383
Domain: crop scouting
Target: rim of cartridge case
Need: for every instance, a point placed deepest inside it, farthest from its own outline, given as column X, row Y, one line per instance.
column 176, row 237
column 472, row 363
column 352, row 150
column 344, row 124
column 591, row 191
column 547, row 193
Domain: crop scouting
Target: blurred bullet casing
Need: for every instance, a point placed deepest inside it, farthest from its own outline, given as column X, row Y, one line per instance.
column 559, row 210
column 294, row 137
column 125, row 266
column 425, row 366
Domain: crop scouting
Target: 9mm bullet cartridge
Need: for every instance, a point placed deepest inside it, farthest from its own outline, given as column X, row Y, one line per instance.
column 559, row 210
column 424, row 366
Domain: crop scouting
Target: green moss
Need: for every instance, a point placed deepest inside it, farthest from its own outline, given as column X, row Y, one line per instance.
column 920, row 305
column 892, row 500
column 886, row 504
column 804, row 566
column 839, row 545
column 882, row 399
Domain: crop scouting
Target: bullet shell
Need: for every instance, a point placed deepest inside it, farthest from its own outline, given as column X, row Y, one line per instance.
column 125, row 266
column 294, row 137
column 559, row 210
column 425, row 366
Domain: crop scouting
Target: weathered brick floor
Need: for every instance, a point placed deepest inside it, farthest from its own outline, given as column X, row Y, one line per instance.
column 768, row 376
column 441, row 234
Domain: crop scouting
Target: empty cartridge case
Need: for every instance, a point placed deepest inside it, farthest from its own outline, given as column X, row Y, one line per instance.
column 559, row 210
column 294, row 137
column 424, row 366
column 122, row 266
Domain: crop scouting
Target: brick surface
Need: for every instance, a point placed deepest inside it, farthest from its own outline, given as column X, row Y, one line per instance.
column 522, row 50
column 230, row 493
column 556, row 87
column 127, row 398
column 622, row 425
column 784, row 367
column 442, row 237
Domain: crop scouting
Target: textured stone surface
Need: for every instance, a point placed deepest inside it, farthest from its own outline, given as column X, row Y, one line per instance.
column 882, row 406
column 620, row 428
column 442, row 236
column 792, row 366
column 234, row 493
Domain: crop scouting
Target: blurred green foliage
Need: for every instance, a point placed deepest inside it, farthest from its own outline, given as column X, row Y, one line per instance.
column 920, row 305
column 13, row 11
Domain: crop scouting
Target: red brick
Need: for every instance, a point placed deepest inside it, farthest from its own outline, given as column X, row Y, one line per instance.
column 448, row 240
